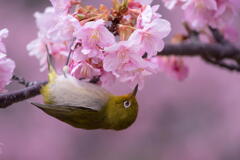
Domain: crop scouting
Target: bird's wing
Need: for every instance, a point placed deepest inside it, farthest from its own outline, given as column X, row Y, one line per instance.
column 76, row 116
column 61, row 108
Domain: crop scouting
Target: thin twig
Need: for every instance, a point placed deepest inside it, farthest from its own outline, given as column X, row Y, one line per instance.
column 218, row 36
column 192, row 34
column 71, row 49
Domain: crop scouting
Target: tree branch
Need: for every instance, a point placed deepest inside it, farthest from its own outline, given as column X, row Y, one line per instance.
column 216, row 54
column 226, row 56
column 22, row 81
column 8, row 99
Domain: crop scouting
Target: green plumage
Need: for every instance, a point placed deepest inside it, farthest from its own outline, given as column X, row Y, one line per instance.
column 112, row 116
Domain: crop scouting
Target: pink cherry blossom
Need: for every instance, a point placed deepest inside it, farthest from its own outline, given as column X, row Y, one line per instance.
column 124, row 62
column 107, row 79
column 98, row 53
column 119, row 54
column 84, row 69
column 225, row 14
column 134, row 5
column 46, row 20
column 94, row 34
column 200, row 13
column 144, row 2
column 81, row 66
column 61, row 6
column 3, row 34
column 147, row 16
column 220, row 14
column 151, row 29
column 56, row 27
column 170, row 4
column 37, row 47
column 150, row 38
column 57, row 32
column 6, row 70
column 133, row 73
column 6, row 65
column 174, row 66
column 94, row 37
column 64, row 30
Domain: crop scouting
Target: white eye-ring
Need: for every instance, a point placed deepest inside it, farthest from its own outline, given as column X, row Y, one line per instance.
column 127, row 104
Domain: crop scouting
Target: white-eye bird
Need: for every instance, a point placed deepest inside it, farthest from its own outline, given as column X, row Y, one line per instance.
column 85, row 105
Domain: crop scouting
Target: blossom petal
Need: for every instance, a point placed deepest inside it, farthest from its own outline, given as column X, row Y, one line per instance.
column 6, row 70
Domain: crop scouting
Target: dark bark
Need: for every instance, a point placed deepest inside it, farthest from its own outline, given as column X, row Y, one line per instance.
column 10, row 98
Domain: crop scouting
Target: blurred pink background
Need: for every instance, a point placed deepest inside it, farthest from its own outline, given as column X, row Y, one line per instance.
column 197, row 119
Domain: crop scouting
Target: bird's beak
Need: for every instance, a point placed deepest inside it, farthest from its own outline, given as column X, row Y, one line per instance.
column 134, row 93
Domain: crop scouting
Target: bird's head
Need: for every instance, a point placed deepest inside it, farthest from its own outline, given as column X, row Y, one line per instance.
column 121, row 111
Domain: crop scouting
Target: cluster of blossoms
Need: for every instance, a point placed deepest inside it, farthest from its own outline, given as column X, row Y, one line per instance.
column 220, row 14
column 110, row 44
column 6, row 65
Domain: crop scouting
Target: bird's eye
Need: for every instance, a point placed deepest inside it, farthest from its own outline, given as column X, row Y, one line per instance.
column 127, row 104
